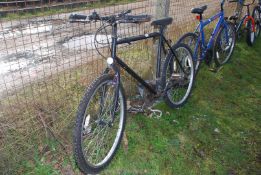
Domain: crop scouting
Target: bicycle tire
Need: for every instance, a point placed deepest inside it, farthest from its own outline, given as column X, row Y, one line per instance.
column 218, row 45
column 250, row 38
column 81, row 159
column 167, row 67
column 196, row 59
column 256, row 16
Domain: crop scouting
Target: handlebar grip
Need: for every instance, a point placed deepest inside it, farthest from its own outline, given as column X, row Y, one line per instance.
column 78, row 17
column 136, row 18
column 230, row 1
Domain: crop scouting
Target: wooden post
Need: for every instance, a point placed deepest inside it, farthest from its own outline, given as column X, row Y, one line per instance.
column 161, row 11
column 162, row 8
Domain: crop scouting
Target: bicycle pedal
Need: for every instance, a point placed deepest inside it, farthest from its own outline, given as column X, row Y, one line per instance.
column 176, row 76
column 211, row 69
column 215, row 69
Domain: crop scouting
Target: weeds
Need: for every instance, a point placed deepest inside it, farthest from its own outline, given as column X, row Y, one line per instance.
column 45, row 110
column 217, row 132
column 53, row 11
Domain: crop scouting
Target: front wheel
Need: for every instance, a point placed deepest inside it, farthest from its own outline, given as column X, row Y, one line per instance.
column 250, row 33
column 191, row 39
column 256, row 15
column 178, row 75
column 224, row 44
column 99, row 125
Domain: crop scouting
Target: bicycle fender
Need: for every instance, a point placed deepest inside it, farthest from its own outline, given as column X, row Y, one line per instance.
column 252, row 21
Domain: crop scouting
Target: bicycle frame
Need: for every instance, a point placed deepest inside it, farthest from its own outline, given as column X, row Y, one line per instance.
column 128, row 40
column 246, row 18
column 201, row 38
column 244, row 21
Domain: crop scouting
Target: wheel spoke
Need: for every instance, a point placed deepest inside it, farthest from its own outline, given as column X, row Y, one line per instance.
column 99, row 136
column 224, row 45
column 179, row 76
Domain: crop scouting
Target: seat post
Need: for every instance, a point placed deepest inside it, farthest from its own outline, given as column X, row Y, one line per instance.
column 114, row 41
column 159, row 51
column 248, row 10
column 161, row 29
column 222, row 5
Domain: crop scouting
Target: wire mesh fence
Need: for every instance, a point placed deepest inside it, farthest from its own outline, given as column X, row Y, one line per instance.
column 46, row 63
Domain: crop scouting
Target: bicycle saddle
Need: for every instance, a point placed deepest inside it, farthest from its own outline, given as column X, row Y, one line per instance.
column 199, row 10
column 162, row 21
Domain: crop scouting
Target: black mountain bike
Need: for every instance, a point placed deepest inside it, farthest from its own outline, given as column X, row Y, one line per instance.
column 101, row 114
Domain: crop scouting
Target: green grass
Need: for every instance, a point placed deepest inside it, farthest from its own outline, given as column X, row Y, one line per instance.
column 46, row 161
column 55, row 11
column 217, row 132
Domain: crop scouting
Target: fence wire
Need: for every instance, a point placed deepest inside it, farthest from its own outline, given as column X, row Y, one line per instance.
column 46, row 63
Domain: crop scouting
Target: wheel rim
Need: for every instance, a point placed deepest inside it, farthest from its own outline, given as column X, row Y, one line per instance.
column 100, row 141
column 257, row 22
column 191, row 42
column 224, row 48
column 252, row 36
column 260, row 18
column 197, row 65
column 179, row 92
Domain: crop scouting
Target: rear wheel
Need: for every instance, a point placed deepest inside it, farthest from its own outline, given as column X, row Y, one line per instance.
column 250, row 33
column 258, row 7
column 191, row 40
column 178, row 75
column 98, row 133
column 224, row 44
column 256, row 16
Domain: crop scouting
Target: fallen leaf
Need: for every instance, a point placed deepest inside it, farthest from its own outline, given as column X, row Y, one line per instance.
column 125, row 142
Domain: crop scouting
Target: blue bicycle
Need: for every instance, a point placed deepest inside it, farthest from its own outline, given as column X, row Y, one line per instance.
column 221, row 43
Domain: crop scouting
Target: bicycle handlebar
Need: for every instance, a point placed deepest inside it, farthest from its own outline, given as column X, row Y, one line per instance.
column 120, row 18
